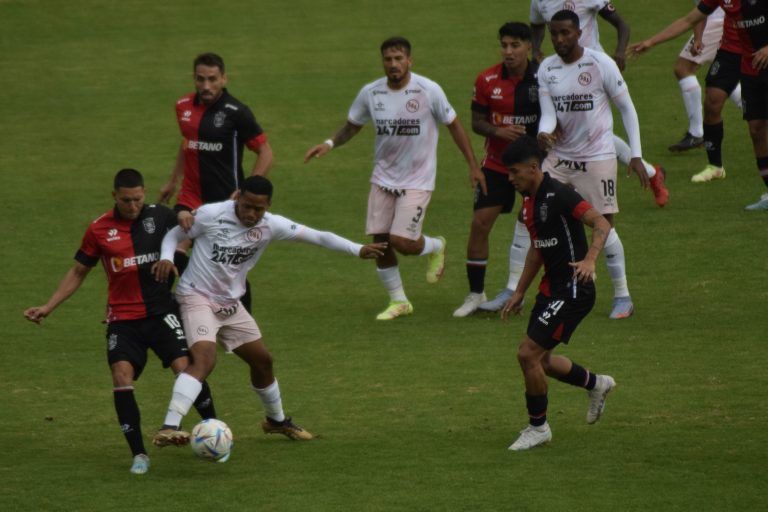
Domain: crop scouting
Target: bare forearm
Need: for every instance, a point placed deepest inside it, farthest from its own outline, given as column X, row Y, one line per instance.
column 71, row 282
column 264, row 160
column 346, row 133
column 481, row 126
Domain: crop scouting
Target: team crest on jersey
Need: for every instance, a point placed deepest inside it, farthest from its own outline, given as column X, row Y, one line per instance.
column 543, row 209
column 585, row 78
column 569, row 6
column 533, row 93
column 412, row 106
column 219, row 118
column 149, row 225
column 253, row 235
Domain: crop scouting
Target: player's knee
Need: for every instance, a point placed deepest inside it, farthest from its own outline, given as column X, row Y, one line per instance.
column 122, row 373
column 405, row 246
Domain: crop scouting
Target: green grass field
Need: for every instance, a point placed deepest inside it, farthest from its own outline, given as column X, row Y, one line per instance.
column 415, row 414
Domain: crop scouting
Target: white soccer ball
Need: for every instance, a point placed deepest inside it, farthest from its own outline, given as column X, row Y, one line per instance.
column 211, row 439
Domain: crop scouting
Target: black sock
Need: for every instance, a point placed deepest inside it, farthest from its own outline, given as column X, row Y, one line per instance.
column 476, row 275
column 129, row 418
column 580, row 377
column 713, row 142
column 204, row 402
column 762, row 167
column 246, row 298
column 537, row 409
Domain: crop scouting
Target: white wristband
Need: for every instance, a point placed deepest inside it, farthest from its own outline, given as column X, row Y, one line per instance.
column 329, row 142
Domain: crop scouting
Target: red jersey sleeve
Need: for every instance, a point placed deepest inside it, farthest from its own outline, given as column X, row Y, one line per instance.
column 89, row 252
column 256, row 142
column 479, row 95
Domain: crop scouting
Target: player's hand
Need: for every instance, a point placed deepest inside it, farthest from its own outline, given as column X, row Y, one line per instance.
column 697, row 45
column 373, row 251
column 546, row 140
column 185, row 220
column 760, row 58
column 637, row 49
column 584, row 271
column 636, row 165
column 511, row 132
column 620, row 59
column 166, row 192
column 316, row 151
column 36, row 314
column 513, row 306
column 476, row 177
column 163, row 269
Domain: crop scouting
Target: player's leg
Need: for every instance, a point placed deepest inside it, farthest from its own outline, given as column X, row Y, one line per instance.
column 656, row 173
column 690, row 90
column 622, row 307
column 755, row 91
column 477, row 258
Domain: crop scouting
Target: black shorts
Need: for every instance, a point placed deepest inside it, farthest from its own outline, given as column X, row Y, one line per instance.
column 129, row 340
column 754, row 96
column 553, row 320
column 500, row 192
column 725, row 71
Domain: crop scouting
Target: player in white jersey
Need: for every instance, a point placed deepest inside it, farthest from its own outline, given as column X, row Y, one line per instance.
column 230, row 237
column 406, row 110
column 587, row 11
column 576, row 88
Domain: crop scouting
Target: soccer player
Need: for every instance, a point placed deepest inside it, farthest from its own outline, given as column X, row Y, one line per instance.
column 576, row 88
column 554, row 214
column 405, row 109
column 141, row 313
column 749, row 18
column 216, row 128
column 505, row 105
column 587, row 12
column 230, row 237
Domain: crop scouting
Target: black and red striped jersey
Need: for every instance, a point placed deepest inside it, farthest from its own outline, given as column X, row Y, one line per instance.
column 214, row 139
column 127, row 250
column 750, row 20
column 553, row 221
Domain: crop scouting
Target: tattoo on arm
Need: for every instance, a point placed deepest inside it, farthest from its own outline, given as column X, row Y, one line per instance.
column 348, row 131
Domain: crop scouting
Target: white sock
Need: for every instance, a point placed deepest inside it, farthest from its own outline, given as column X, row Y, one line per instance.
column 431, row 245
column 614, row 258
column 624, row 154
column 390, row 278
column 691, row 91
column 185, row 391
column 521, row 242
column 736, row 95
column 270, row 399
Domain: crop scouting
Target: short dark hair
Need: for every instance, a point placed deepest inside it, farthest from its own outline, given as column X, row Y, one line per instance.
column 567, row 15
column 128, row 178
column 521, row 150
column 258, row 185
column 397, row 42
column 209, row 59
column 516, row 30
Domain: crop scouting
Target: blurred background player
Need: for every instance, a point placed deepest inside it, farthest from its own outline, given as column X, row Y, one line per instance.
column 216, row 128
column 555, row 215
column 406, row 110
column 141, row 312
column 505, row 105
column 587, row 12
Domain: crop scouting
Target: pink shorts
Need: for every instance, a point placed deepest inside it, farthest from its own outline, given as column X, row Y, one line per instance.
column 396, row 212
column 228, row 324
column 595, row 181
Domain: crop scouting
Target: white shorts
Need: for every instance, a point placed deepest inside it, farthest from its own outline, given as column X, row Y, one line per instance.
column 396, row 212
column 595, row 181
column 710, row 40
column 228, row 324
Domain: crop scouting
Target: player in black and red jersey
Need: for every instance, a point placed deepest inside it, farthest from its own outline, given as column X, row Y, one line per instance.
column 216, row 127
column 505, row 105
column 554, row 215
column 141, row 312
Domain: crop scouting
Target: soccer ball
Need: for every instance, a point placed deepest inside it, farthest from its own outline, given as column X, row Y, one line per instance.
column 211, row 439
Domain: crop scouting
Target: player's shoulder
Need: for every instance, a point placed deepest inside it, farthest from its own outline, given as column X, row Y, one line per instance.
column 490, row 74
column 598, row 57
column 420, row 81
column 378, row 86
column 104, row 218
column 186, row 100
column 550, row 64
column 229, row 102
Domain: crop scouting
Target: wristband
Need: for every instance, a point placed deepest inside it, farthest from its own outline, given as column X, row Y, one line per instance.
column 329, row 142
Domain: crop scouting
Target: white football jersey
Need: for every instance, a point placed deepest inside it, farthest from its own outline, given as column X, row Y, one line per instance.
column 581, row 93
column 543, row 10
column 226, row 250
column 406, row 124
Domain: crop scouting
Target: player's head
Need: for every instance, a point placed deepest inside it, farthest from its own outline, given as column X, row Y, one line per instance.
column 128, row 192
column 515, row 43
column 396, row 59
column 565, row 32
column 210, row 79
column 253, row 200
column 523, row 158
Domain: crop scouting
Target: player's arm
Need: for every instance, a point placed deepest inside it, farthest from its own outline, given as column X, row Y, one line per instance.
column 609, row 14
column 674, row 29
column 547, row 122
column 537, row 37
column 533, row 262
column 342, row 136
column 698, row 37
column 167, row 190
column 264, row 159
column 584, row 270
column 462, row 142
column 71, row 282
column 163, row 269
column 335, row 242
column 632, row 126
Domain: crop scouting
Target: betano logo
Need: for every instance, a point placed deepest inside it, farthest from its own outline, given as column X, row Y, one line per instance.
column 120, row 264
column 200, row 145
column 544, row 244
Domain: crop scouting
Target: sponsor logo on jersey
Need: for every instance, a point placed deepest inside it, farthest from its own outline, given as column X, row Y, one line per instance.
column 232, row 255
column 400, row 126
column 219, row 118
column 379, row 107
column 412, row 91
column 149, row 225
column 585, row 78
column 550, row 68
column 751, row 23
column 200, row 145
column 412, row 106
column 253, row 235
column 546, row 243
column 574, row 102
column 506, row 120
column 572, row 165
column 112, row 235
column 186, row 116
column 376, row 92
column 231, row 107
column 120, row 264
column 585, row 64
column 491, row 77
column 496, row 93
column 225, row 221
